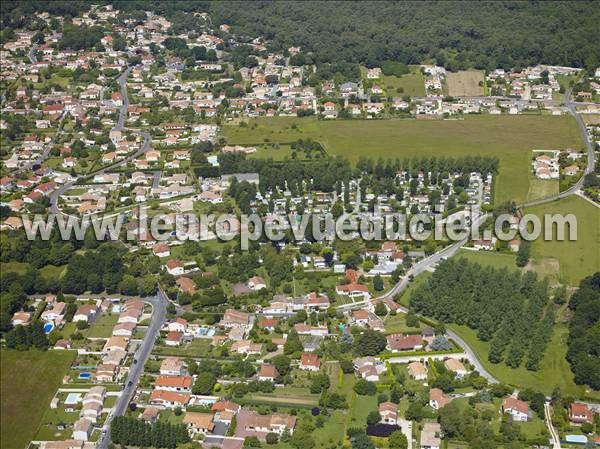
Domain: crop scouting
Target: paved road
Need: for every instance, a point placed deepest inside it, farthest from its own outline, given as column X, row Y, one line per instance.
column 571, row 106
column 159, row 315
column 119, row 127
column 31, row 53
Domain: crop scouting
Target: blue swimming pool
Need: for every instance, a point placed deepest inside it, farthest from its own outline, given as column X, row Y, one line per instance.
column 85, row 375
column 48, row 328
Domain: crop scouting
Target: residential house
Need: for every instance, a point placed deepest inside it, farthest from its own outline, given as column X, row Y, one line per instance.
column 437, row 399
column 518, row 409
column 309, row 362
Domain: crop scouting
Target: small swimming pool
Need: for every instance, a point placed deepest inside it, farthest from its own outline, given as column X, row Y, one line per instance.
column 48, row 328
column 72, row 398
column 85, row 375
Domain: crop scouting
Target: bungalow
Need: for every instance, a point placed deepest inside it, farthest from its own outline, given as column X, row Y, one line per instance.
column 305, row 329
column 580, row 413
column 86, row 312
column 309, row 362
column 251, row 423
column 198, row 423
column 233, row 318
column 150, row 414
column 246, row 347
column 268, row 323
column 56, row 313
column 368, row 368
column 256, row 283
column 13, row 223
column 399, row 342
column 169, row 399
column 353, row 290
column 186, row 285
column 124, row 329
column 82, row 429
column 172, row 366
column 161, row 250
column 571, row 170
column 437, row 399
column 174, row 338
column 267, row 372
column 456, row 367
column 115, row 343
column 430, row 436
column 417, row 371
column 175, row 267
column 180, row 384
column 179, row 325
column 519, row 410
column 130, row 316
column 389, row 413
column 21, row 319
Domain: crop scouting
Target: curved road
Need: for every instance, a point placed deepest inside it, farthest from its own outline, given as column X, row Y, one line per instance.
column 118, row 127
column 571, row 106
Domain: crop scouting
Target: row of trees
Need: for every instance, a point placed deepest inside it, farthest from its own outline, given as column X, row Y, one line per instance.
column 584, row 332
column 498, row 304
column 127, row 430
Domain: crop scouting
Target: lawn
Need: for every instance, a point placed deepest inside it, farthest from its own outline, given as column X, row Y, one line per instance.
column 465, row 83
column 540, row 188
column 103, row 327
column 412, row 84
column 554, row 369
column 509, row 138
column 489, row 258
column 28, row 382
column 404, row 297
column 52, row 271
column 199, row 347
column 13, row 267
column 395, row 324
column 577, row 259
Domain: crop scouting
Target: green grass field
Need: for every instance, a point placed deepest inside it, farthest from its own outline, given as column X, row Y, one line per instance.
column 489, row 258
column 412, row 84
column 554, row 368
column 577, row 259
column 540, row 188
column 28, row 381
column 509, row 138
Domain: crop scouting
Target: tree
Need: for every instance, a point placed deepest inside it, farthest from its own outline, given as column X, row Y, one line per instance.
column 370, row 343
column 378, row 283
column 272, row 438
column 204, row 384
column 292, row 344
column 365, row 388
column 380, row 309
column 397, row 440
column 373, row 417
column 282, row 363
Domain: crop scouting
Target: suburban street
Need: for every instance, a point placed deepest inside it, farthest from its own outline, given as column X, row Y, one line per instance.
column 54, row 197
column 159, row 314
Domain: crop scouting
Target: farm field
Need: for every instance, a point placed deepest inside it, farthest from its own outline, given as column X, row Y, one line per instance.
column 576, row 259
column 464, row 83
column 29, row 380
column 509, row 138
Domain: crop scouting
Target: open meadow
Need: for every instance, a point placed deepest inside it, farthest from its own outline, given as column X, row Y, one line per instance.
column 465, row 83
column 576, row 259
column 28, row 381
column 509, row 138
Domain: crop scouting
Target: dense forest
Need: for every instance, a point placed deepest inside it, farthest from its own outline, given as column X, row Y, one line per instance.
column 338, row 36
column 507, row 309
column 584, row 332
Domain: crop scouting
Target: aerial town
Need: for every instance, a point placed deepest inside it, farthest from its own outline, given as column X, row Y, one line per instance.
column 189, row 341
